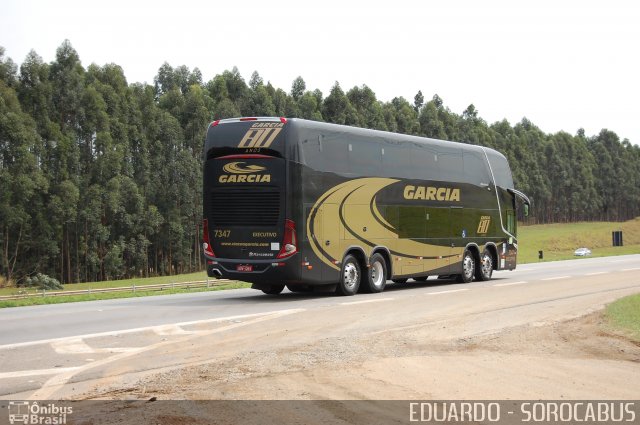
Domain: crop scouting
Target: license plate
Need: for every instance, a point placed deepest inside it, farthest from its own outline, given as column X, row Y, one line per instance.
column 244, row 268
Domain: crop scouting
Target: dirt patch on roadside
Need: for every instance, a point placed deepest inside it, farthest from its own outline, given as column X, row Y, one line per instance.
column 577, row 359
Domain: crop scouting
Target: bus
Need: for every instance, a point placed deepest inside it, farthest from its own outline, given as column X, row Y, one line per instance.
column 322, row 207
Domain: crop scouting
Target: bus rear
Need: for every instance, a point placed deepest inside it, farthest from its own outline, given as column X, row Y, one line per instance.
column 248, row 234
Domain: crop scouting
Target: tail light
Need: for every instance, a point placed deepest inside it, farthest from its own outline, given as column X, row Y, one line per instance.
column 206, row 245
column 289, row 242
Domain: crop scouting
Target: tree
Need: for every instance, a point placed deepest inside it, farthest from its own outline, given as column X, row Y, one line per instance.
column 337, row 108
column 298, row 88
column 8, row 69
column 418, row 101
column 100, row 178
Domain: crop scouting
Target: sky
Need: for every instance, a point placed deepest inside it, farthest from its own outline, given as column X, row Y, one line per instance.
column 563, row 65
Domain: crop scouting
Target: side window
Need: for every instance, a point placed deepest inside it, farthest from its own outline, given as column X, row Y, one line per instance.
column 449, row 163
column 475, row 168
column 365, row 157
column 501, row 170
column 511, row 222
column 396, row 160
column 412, row 223
column 311, row 154
column 335, row 151
column 423, row 162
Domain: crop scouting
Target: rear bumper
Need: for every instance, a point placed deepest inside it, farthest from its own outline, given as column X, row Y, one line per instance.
column 282, row 271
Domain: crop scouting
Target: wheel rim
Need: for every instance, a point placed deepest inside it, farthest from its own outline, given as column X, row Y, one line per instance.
column 350, row 276
column 487, row 265
column 377, row 274
column 467, row 267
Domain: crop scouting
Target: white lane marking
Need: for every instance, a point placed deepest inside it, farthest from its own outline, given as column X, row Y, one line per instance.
column 510, row 283
column 557, row 278
column 142, row 329
column 170, row 330
column 447, row 292
column 78, row 346
column 595, row 273
column 23, row 373
column 377, row 300
column 57, row 382
column 631, row 269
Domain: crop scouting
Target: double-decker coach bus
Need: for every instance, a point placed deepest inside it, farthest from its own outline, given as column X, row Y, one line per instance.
column 317, row 206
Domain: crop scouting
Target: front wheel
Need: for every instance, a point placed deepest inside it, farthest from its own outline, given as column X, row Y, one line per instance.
column 468, row 267
column 350, row 275
column 273, row 289
column 484, row 268
column 377, row 276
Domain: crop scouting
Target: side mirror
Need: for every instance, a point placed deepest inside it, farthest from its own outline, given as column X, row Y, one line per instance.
column 526, row 210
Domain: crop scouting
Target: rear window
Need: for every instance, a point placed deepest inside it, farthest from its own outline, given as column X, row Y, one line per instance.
column 263, row 137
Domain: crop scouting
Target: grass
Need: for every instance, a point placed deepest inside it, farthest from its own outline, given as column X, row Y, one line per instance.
column 624, row 315
column 190, row 277
column 37, row 300
column 558, row 241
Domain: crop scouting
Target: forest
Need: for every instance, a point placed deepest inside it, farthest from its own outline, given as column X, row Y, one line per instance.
column 101, row 179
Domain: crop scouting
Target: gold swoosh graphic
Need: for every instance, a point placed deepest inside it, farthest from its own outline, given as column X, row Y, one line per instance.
column 236, row 168
column 347, row 214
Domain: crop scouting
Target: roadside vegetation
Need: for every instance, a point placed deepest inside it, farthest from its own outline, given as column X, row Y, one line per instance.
column 624, row 315
column 559, row 241
column 101, row 178
column 35, row 297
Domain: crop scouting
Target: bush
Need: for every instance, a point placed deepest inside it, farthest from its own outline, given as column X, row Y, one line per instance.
column 42, row 281
column 4, row 283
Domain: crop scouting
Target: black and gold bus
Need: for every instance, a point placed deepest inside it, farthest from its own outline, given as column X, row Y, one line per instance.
column 325, row 207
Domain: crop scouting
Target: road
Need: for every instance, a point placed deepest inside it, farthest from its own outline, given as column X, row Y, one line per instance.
column 114, row 348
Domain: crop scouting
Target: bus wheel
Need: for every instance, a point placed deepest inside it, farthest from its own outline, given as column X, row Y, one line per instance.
column 350, row 276
column 403, row 280
column 484, row 268
column 468, row 268
column 273, row 289
column 377, row 276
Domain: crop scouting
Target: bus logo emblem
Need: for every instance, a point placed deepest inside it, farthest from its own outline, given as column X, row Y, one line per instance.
column 237, row 168
column 483, row 227
column 260, row 135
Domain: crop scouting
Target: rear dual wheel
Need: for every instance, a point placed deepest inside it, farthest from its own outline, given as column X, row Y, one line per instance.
column 352, row 278
column 377, row 276
column 468, row 267
column 484, row 269
column 350, row 275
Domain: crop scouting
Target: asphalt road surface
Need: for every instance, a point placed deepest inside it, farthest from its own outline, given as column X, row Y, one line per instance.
column 65, row 350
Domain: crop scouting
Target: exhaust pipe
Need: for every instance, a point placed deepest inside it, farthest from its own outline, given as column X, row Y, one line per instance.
column 216, row 272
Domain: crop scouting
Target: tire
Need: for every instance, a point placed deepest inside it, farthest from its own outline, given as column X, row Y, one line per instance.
column 421, row 278
column 350, row 276
column 484, row 268
column 403, row 280
column 376, row 275
column 273, row 289
column 468, row 268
